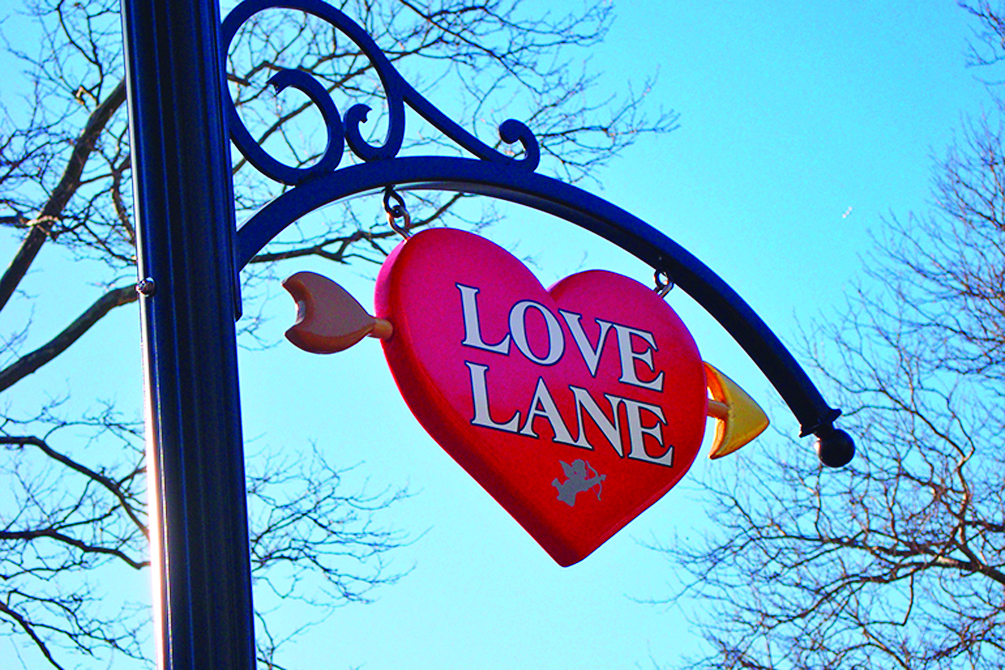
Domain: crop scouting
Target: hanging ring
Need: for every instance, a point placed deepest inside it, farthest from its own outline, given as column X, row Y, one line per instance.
column 664, row 282
column 397, row 211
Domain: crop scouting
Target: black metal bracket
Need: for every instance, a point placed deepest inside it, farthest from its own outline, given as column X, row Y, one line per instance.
column 497, row 175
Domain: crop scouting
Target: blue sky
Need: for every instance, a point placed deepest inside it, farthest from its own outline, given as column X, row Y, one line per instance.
column 802, row 125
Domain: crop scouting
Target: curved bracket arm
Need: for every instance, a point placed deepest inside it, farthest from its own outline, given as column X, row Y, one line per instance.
column 581, row 208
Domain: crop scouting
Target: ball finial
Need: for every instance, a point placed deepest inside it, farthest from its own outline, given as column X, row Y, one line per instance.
column 835, row 448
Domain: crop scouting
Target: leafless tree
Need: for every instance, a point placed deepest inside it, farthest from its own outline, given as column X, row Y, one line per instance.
column 898, row 560
column 72, row 505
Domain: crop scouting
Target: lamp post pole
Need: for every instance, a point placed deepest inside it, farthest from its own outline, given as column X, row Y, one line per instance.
column 189, row 297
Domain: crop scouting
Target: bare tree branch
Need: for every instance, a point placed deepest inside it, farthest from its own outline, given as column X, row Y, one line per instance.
column 41, row 227
column 27, row 627
column 897, row 560
column 31, row 362
column 115, row 488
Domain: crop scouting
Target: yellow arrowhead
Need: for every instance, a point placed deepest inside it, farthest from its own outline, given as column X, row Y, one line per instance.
column 738, row 418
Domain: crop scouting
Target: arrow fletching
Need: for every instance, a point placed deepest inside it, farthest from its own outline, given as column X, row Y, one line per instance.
column 329, row 319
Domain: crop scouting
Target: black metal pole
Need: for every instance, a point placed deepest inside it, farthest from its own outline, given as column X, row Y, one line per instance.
column 185, row 230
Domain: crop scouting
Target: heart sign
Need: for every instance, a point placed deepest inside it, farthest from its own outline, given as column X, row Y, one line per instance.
column 576, row 407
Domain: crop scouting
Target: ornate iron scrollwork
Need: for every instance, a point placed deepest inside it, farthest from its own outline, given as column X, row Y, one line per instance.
column 341, row 131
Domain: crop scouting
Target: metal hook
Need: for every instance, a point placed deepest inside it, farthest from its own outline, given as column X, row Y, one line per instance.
column 397, row 211
column 664, row 282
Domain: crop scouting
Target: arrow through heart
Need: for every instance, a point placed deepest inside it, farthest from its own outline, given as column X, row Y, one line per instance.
column 575, row 407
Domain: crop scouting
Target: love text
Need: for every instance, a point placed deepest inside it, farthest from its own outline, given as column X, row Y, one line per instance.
column 634, row 347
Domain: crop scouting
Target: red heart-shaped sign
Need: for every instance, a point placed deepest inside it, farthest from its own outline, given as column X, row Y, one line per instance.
column 575, row 407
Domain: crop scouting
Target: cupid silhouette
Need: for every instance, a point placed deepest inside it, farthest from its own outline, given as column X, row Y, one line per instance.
column 577, row 481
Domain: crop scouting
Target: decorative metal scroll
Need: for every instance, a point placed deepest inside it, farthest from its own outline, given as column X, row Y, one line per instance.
column 497, row 175
column 340, row 132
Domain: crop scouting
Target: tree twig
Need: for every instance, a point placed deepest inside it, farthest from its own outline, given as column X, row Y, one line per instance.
column 29, row 363
column 42, row 225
